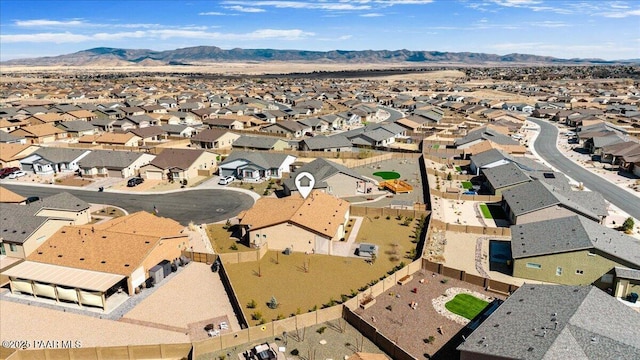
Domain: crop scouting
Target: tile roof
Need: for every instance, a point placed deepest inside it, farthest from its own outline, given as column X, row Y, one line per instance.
column 319, row 212
column 558, row 322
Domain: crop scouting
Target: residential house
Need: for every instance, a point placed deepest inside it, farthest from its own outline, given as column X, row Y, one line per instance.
column 180, row 164
column 214, row 139
column 555, row 322
column 109, row 163
column 9, row 125
column 178, row 130
column 148, row 134
column 53, row 160
column 103, row 124
column 317, row 125
column 375, row 135
column 255, row 166
column 335, row 143
column 46, row 118
column 537, row 201
column 246, row 142
column 224, row 123
column 88, row 264
column 571, row 250
column 40, row 134
column 496, row 134
column 77, row 128
column 11, row 154
column 26, row 227
column 487, row 160
column 112, row 139
column 311, row 225
column 333, row 178
column 287, row 128
column 7, row 138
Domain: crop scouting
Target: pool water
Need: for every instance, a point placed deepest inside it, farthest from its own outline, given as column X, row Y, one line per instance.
column 499, row 251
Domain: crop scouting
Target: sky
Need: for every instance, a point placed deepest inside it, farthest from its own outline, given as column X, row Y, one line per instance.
column 608, row 30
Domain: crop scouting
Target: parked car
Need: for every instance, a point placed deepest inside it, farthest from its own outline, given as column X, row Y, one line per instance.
column 135, row 181
column 470, row 192
column 4, row 172
column 31, row 199
column 17, row 174
column 226, row 180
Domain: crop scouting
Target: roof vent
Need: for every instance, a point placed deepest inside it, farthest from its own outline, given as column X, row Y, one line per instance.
column 104, row 236
column 508, row 312
column 39, row 252
column 59, row 256
column 81, row 259
column 126, row 265
column 146, row 242
column 594, row 340
column 103, row 262
column 530, row 349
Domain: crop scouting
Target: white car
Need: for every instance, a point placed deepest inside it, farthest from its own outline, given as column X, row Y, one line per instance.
column 17, row 174
column 226, row 180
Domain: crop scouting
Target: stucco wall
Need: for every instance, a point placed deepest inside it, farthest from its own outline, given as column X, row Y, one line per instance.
column 167, row 249
column 592, row 265
column 285, row 235
column 342, row 185
column 553, row 212
column 78, row 217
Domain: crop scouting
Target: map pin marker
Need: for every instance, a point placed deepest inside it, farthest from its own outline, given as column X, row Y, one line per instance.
column 304, row 182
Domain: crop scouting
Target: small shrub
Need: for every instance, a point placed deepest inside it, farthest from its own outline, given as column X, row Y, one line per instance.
column 273, row 303
column 407, row 222
column 257, row 315
column 388, row 217
column 298, row 311
column 252, row 304
column 266, row 192
column 222, row 357
column 353, row 293
column 376, row 217
column 399, row 217
column 279, row 317
column 389, row 307
column 295, row 352
column 321, row 329
column 262, row 322
column 344, row 297
column 628, row 224
column 430, row 340
column 331, row 302
column 233, row 247
column 449, row 176
column 444, row 281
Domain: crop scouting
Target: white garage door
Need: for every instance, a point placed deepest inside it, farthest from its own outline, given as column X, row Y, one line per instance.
column 153, row 175
column 114, row 173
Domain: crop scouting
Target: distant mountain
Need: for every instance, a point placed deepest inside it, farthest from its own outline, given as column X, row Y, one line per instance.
column 202, row 54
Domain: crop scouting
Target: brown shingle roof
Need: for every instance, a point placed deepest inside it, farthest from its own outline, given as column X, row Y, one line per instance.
column 176, row 158
column 117, row 248
column 8, row 196
column 319, row 212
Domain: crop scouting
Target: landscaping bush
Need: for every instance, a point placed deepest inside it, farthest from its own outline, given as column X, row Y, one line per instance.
column 257, row 315
column 252, row 304
column 295, row 352
column 233, row 247
column 628, row 224
column 321, row 329
column 388, row 217
column 430, row 340
column 273, row 303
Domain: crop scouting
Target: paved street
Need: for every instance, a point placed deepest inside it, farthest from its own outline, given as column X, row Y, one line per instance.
column 199, row 206
column 545, row 145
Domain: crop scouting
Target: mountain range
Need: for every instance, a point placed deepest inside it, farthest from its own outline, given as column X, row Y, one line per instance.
column 204, row 54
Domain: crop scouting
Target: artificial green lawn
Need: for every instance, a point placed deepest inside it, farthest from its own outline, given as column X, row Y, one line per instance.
column 486, row 213
column 466, row 305
column 458, row 169
column 467, row 185
column 387, row 175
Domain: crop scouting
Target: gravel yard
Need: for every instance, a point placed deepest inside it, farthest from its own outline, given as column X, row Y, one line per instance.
column 410, row 327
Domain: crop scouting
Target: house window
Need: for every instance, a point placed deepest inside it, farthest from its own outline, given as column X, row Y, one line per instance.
column 13, row 247
column 579, row 272
column 607, row 278
column 534, row 266
column 559, row 271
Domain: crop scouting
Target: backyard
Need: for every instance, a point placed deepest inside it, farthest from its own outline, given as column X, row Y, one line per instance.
column 221, row 239
column 318, row 280
column 486, row 213
column 465, row 305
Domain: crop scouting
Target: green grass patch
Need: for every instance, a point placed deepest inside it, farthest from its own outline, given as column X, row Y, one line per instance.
column 465, row 305
column 436, row 146
column 467, row 185
column 458, row 169
column 486, row 213
column 387, row 175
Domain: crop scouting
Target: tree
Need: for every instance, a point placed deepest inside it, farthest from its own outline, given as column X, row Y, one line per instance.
column 449, row 176
column 628, row 224
column 273, row 303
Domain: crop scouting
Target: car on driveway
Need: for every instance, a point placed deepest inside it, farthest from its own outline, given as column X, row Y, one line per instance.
column 31, row 199
column 4, row 172
column 226, row 180
column 17, row 174
column 135, row 181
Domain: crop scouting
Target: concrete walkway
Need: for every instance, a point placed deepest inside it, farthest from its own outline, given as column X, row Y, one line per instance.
column 348, row 247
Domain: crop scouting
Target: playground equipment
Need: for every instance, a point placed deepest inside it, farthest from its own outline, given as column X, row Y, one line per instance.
column 395, row 186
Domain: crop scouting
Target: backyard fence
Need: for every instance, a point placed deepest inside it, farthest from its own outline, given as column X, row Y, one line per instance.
column 365, row 211
column 243, row 256
column 134, row 352
column 489, row 284
column 445, row 159
column 460, row 196
column 454, row 175
column 470, row 229
column 199, row 257
column 388, row 346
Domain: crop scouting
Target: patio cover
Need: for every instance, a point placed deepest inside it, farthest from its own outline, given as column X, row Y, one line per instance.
column 65, row 276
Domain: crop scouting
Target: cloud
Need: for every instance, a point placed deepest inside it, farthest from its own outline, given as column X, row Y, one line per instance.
column 549, row 24
column 163, row 34
column 622, row 14
column 211, row 13
column 47, row 22
column 372, row 15
column 245, row 9
column 342, row 6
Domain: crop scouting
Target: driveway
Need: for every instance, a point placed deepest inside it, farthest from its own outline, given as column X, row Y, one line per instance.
column 545, row 145
column 184, row 205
